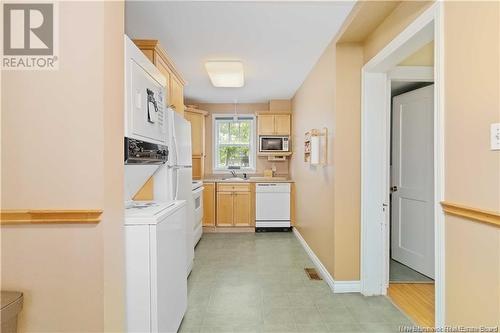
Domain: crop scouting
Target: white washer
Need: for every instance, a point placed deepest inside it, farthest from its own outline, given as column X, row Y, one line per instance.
column 155, row 252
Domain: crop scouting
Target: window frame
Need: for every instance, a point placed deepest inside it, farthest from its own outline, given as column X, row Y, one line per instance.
column 252, row 156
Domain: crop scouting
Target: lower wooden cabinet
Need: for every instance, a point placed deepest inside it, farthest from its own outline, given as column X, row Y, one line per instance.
column 225, row 209
column 235, row 205
column 209, row 205
column 232, row 205
column 242, row 213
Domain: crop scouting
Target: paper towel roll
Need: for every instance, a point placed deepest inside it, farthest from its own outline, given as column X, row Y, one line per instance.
column 315, row 148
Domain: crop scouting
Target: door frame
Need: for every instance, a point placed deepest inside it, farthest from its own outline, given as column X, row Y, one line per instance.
column 375, row 153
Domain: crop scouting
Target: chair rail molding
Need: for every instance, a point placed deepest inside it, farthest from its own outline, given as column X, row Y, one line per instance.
column 471, row 213
column 50, row 216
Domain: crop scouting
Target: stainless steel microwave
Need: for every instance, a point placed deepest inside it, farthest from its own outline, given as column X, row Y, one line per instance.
column 274, row 144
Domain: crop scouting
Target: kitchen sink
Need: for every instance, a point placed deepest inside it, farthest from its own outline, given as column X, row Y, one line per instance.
column 234, row 179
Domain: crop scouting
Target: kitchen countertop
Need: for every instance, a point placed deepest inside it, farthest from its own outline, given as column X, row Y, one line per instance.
column 219, row 178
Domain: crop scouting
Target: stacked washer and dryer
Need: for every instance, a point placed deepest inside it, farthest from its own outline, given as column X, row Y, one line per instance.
column 159, row 234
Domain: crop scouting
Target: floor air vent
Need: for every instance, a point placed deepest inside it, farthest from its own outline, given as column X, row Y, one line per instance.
column 313, row 275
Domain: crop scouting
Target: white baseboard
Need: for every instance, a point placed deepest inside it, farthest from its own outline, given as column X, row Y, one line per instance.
column 347, row 287
column 319, row 266
column 335, row 286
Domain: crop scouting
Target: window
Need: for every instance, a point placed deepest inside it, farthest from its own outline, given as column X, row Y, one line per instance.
column 234, row 139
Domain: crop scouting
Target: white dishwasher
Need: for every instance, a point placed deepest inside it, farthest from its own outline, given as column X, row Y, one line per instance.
column 272, row 204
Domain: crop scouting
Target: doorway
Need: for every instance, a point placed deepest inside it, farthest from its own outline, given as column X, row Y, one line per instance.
column 412, row 182
column 376, row 209
column 411, row 266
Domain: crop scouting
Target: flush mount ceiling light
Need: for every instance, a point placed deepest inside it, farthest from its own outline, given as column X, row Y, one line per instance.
column 225, row 74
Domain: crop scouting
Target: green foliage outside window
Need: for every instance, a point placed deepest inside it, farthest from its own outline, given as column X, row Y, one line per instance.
column 233, row 146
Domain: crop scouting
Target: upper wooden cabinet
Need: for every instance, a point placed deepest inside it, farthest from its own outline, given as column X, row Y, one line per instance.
column 274, row 124
column 282, row 124
column 175, row 83
column 177, row 95
column 197, row 119
column 266, row 124
column 163, row 67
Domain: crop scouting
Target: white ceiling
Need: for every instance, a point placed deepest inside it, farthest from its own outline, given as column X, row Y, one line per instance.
column 278, row 42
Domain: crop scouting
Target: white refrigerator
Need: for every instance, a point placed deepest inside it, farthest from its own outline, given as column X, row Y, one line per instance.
column 180, row 166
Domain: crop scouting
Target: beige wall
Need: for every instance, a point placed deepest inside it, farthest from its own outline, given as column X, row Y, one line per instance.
column 394, row 23
column 472, row 103
column 347, row 160
column 113, row 106
column 423, row 57
column 214, row 108
column 60, row 133
column 313, row 107
column 339, row 209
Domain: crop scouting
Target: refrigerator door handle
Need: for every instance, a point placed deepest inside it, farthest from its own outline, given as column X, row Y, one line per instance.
column 176, row 183
column 176, row 150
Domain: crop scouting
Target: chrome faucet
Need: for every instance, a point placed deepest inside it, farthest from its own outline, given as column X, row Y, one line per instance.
column 234, row 173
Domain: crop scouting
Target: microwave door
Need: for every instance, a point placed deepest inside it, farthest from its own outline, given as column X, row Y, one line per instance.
column 272, row 144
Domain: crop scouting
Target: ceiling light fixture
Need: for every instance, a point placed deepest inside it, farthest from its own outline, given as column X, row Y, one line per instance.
column 225, row 74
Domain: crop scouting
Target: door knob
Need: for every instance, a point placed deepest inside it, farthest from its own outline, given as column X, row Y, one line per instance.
column 394, row 189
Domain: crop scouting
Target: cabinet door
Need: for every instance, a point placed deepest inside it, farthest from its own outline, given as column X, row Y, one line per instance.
column 177, row 95
column 242, row 209
column 209, row 204
column 197, row 121
column 198, row 167
column 162, row 66
column 282, row 124
column 266, row 124
column 225, row 209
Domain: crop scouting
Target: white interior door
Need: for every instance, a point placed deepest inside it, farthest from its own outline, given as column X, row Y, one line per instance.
column 412, row 183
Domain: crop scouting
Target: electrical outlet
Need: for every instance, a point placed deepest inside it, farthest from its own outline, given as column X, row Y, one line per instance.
column 495, row 136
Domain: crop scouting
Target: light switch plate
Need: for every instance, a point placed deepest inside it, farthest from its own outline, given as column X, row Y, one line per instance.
column 495, row 136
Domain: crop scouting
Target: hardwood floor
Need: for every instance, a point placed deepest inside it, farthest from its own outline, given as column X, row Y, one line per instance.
column 416, row 300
